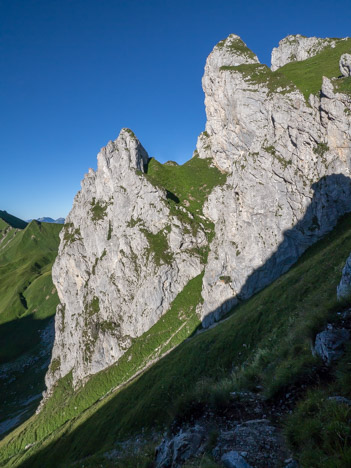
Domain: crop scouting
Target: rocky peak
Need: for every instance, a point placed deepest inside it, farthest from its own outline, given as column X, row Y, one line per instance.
column 231, row 51
column 126, row 152
column 122, row 260
column 295, row 48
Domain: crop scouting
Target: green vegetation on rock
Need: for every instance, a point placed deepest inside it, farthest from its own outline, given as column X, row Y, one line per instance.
column 98, row 209
column 93, row 307
column 308, row 74
column 258, row 74
column 237, row 45
column 158, row 246
column 320, row 149
column 188, row 187
column 71, row 233
column 283, row 162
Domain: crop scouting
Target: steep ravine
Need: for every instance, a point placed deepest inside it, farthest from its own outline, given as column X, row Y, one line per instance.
column 271, row 176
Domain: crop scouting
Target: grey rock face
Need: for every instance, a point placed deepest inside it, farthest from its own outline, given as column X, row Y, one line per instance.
column 110, row 284
column 329, row 344
column 288, row 175
column 288, row 166
column 234, row 460
column 345, row 64
column 175, row 451
column 296, row 48
column 344, row 287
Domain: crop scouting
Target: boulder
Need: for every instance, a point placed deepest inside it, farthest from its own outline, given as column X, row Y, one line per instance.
column 345, row 64
column 343, row 290
column 234, row 460
column 329, row 344
column 175, row 451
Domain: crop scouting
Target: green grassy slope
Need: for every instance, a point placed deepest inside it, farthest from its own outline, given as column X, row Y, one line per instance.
column 307, row 75
column 26, row 288
column 188, row 187
column 265, row 341
column 28, row 302
column 12, row 220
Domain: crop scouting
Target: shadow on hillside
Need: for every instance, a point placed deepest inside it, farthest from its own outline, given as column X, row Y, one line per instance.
column 331, row 199
column 25, row 351
column 127, row 409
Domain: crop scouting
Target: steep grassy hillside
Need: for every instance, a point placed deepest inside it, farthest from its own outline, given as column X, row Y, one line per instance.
column 264, row 344
column 12, row 220
column 26, row 289
column 188, row 187
column 28, row 302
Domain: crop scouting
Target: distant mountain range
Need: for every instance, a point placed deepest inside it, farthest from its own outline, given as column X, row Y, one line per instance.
column 49, row 220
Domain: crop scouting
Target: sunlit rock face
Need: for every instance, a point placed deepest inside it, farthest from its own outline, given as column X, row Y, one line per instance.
column 295, row 48
column 287, row 163
column 112, row 289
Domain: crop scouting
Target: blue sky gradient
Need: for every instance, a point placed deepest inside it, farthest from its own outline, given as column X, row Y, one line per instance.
column 74, row 72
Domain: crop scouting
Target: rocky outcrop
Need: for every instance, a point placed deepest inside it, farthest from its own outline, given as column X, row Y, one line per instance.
column 234, row 460
column 295, row 48
column 287, row 166
column 344, row 287
column 254, row 442
column 174, row 451
column 345, row 65
column 329, row 344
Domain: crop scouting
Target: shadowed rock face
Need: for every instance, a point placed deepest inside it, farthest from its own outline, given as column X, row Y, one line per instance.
column 344, row 287
column 287, row 163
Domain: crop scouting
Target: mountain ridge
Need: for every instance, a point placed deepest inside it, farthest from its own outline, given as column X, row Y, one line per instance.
column 153, row 256
column 12, row 221
column 48, row 220
column 287, row 170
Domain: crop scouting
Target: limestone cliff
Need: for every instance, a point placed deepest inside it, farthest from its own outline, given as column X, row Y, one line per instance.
column 287, row 163
column 298, row 48
column 112, row 281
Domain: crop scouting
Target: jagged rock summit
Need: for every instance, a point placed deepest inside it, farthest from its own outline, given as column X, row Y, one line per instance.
column 295, row 48
column 112, row 286
column 281, row 166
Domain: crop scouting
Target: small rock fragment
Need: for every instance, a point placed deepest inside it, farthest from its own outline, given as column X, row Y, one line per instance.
column 234, row 460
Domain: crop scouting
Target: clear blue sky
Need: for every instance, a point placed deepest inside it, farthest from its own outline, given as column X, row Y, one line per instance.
column 74, row 72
